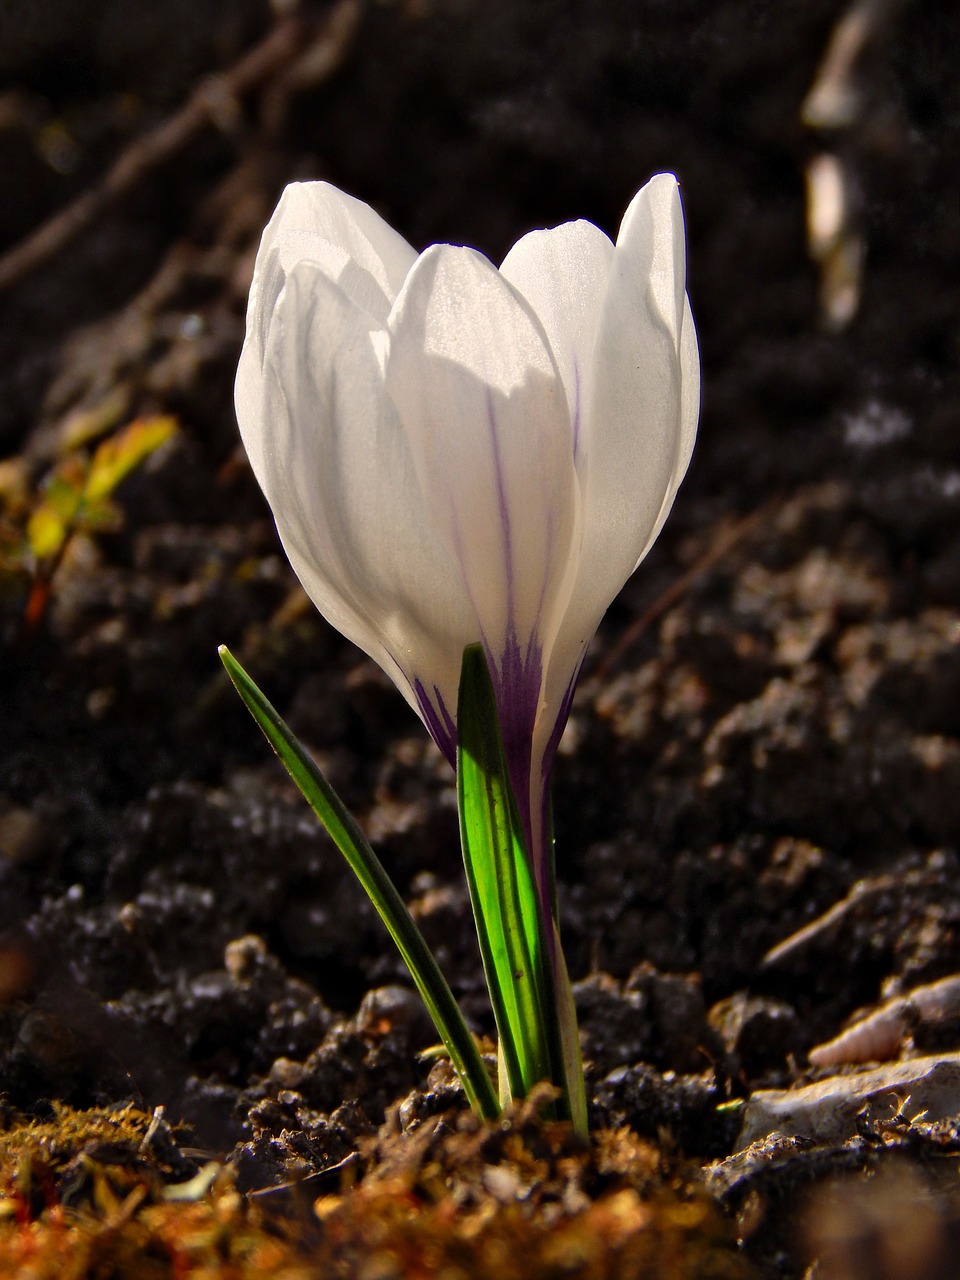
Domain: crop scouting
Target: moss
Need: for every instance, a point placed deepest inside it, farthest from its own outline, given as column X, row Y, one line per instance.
column 101, row 1195
column 523, row 1199
column 108, row 1195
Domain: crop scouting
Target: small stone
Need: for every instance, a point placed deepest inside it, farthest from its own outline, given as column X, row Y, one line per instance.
column 827, row 1111
column 243, row 956
column 503, row 1183
column 287, row 1074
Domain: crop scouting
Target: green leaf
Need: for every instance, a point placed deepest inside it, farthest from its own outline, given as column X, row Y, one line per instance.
column 502, row 889
column 351, row 842
column 53, row 519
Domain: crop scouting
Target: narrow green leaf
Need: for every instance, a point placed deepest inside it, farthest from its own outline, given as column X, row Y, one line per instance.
column 352, row 843
column 502, row 889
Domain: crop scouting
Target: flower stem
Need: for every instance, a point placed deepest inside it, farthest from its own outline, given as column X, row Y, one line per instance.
column 516, row 926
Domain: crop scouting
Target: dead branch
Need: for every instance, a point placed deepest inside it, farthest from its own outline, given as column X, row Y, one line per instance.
column 213, row 103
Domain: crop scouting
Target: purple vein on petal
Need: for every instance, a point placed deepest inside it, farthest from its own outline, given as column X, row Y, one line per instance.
column 438, row 720
column 517, row 679
column 576, row 409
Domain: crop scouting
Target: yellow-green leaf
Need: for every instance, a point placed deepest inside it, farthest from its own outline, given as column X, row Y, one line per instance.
column 63, row 491
column 46, row 531
column 116, row 457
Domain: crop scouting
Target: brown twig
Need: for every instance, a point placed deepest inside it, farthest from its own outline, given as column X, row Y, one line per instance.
column 212, row 101
column 726, row 542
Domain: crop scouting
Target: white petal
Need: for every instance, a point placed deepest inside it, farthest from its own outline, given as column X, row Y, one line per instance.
column 473, row 378
column 642, row 418
column 345, row 237
column 633, row 423
column 346, row 240
column 563, row 273
column 689, row 418
column 335, row 467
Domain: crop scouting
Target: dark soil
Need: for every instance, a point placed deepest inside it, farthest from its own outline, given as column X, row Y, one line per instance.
column 768, row 724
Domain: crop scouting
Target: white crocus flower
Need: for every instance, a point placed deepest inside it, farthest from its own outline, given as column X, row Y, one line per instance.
column 456, row 454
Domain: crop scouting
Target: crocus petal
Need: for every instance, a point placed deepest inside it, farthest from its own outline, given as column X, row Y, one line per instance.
column 346, row 240
column 336, row 468
column 345, row 237
column 476, row 385
column 563, row 273
column 689, row 417
column 633, row 424
column 641, row 421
